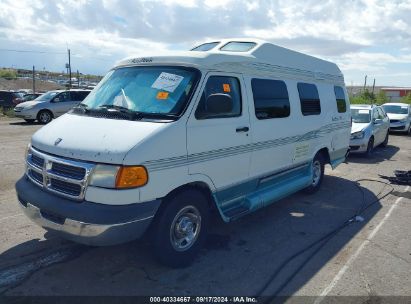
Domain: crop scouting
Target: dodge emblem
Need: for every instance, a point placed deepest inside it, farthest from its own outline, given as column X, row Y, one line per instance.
column 58, row 140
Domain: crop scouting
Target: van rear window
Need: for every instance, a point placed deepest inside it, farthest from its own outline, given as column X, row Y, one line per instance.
column 309, row 99
column 340, row 98
column 270, row 98
column 205, row 47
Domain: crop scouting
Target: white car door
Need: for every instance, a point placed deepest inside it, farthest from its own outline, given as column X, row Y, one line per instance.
column 218, row 145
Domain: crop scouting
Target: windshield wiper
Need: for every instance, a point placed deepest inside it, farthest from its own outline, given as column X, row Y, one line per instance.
column 130, row 113
column 83, row 107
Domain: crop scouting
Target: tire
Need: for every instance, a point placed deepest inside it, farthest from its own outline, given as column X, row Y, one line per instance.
column 44, row 116
column 370, row 147
column 317, row 167
column 30, row 120
column 385, row 142
column 180, row 228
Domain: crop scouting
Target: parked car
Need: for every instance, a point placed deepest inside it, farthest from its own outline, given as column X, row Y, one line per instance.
column 50, row 105
column 163, row 140
column 30, row 96
column 400, row 116
column 9, row 99
column 370, row 128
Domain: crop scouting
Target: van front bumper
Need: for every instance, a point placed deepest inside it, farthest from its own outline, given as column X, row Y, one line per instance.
column 85, row 222
column 26, row 114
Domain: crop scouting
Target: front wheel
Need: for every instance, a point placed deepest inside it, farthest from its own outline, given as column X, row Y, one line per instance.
column 370, row 147
column 181, row 228
column 317, row 171
column 44, row 116
column 385, row 142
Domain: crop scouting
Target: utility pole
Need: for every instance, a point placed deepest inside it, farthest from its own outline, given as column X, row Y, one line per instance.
column 373, row 87
column 34, row 81
column 69, row 63
column 78, row 79
column 365, row 83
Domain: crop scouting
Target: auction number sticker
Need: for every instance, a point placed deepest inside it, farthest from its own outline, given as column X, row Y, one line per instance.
column 167, row 82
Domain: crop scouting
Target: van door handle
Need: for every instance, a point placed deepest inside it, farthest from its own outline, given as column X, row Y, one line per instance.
column 243, row 129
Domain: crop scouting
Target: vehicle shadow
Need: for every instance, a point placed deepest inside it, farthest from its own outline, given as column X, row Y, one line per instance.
column 239, row 258
column 380, row 154
column 24, row 123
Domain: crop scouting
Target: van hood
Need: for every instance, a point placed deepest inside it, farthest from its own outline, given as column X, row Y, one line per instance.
column 357, row 127
column 92, row 139
column 397, row 116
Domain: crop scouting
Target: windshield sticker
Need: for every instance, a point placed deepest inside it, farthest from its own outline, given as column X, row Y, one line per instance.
column 162, row 95
column 167, row 82
column 363, row 111
column 226, row 88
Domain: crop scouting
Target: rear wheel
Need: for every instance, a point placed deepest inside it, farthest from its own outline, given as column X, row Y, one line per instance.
column 44, row 116
column 370, row 147
column 317, row 167
column 180, row 230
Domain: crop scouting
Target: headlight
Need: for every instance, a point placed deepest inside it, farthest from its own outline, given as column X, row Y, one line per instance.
column 27, row 151
column 357, row 135
column 403, row 120
column 27, row 107
column 119, row 177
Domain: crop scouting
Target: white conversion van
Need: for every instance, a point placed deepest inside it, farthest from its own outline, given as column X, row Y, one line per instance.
column 161, row 141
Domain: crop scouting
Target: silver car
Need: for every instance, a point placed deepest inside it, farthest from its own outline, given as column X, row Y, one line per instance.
column 370, row 128
column 400, row 116
column 50, row 105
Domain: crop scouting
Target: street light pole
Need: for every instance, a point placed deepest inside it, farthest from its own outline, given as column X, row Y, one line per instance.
column 69, row 63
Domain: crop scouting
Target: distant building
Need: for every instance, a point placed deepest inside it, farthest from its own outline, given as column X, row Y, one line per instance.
column 395, row 94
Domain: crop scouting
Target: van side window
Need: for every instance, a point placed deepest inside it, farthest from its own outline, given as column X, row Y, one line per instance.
column 270, row 98
column 220, row 85
column 309, row 99
column 340, row 98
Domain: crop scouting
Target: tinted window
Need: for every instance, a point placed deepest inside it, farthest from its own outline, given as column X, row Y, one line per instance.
column 340, row 98
column 238, row 46
column 270, row 98
column 79, row 95
column 63, row 97
column 309, row 99
column 205, row 47
column 220, row 85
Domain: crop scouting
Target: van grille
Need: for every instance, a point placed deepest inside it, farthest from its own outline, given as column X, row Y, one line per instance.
column 59, row 175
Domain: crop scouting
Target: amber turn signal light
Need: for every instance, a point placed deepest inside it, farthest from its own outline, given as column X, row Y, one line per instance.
column 131, row 177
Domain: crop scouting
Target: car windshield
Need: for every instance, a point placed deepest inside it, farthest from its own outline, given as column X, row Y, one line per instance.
column 150, row 90
column 395, row 109
column 47, row 96
column 360, row 115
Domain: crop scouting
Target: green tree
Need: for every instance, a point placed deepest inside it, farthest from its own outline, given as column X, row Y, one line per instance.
column 406, row 98
column 7, row 73
column 381, row 98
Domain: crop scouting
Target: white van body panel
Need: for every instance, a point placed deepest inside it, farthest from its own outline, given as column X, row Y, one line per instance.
column 108, row 140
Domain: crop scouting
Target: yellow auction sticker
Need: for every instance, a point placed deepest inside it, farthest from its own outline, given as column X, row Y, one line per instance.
column 162, row 95
column 226, row 88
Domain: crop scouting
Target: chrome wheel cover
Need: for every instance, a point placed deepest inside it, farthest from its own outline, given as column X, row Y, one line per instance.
column 185, row 228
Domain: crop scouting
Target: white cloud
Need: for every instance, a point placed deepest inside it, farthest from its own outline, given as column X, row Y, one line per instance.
column 362, row 35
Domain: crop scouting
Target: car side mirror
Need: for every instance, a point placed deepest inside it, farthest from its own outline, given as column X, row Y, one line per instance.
column 378, row 121
column 217, row 104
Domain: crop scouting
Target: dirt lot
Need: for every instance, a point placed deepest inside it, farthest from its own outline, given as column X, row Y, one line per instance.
column 252, row 256
column 18, row 84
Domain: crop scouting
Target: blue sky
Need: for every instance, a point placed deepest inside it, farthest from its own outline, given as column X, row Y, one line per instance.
column 367, row 37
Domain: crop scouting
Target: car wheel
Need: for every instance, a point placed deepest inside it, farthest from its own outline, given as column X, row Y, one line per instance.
column 30, row 120
column 370, row 147
column 317, row 170
column 44, row 116
column 181, row 228
column 385, row 142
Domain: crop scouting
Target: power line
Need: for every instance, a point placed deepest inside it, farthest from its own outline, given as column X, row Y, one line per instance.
column 30, row 51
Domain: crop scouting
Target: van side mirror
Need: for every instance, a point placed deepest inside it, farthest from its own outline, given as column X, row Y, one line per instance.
column 217, row 104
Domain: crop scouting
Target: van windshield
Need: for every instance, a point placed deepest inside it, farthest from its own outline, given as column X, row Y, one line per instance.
column 144, row 90
column 360, row 115
column 47, row 96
